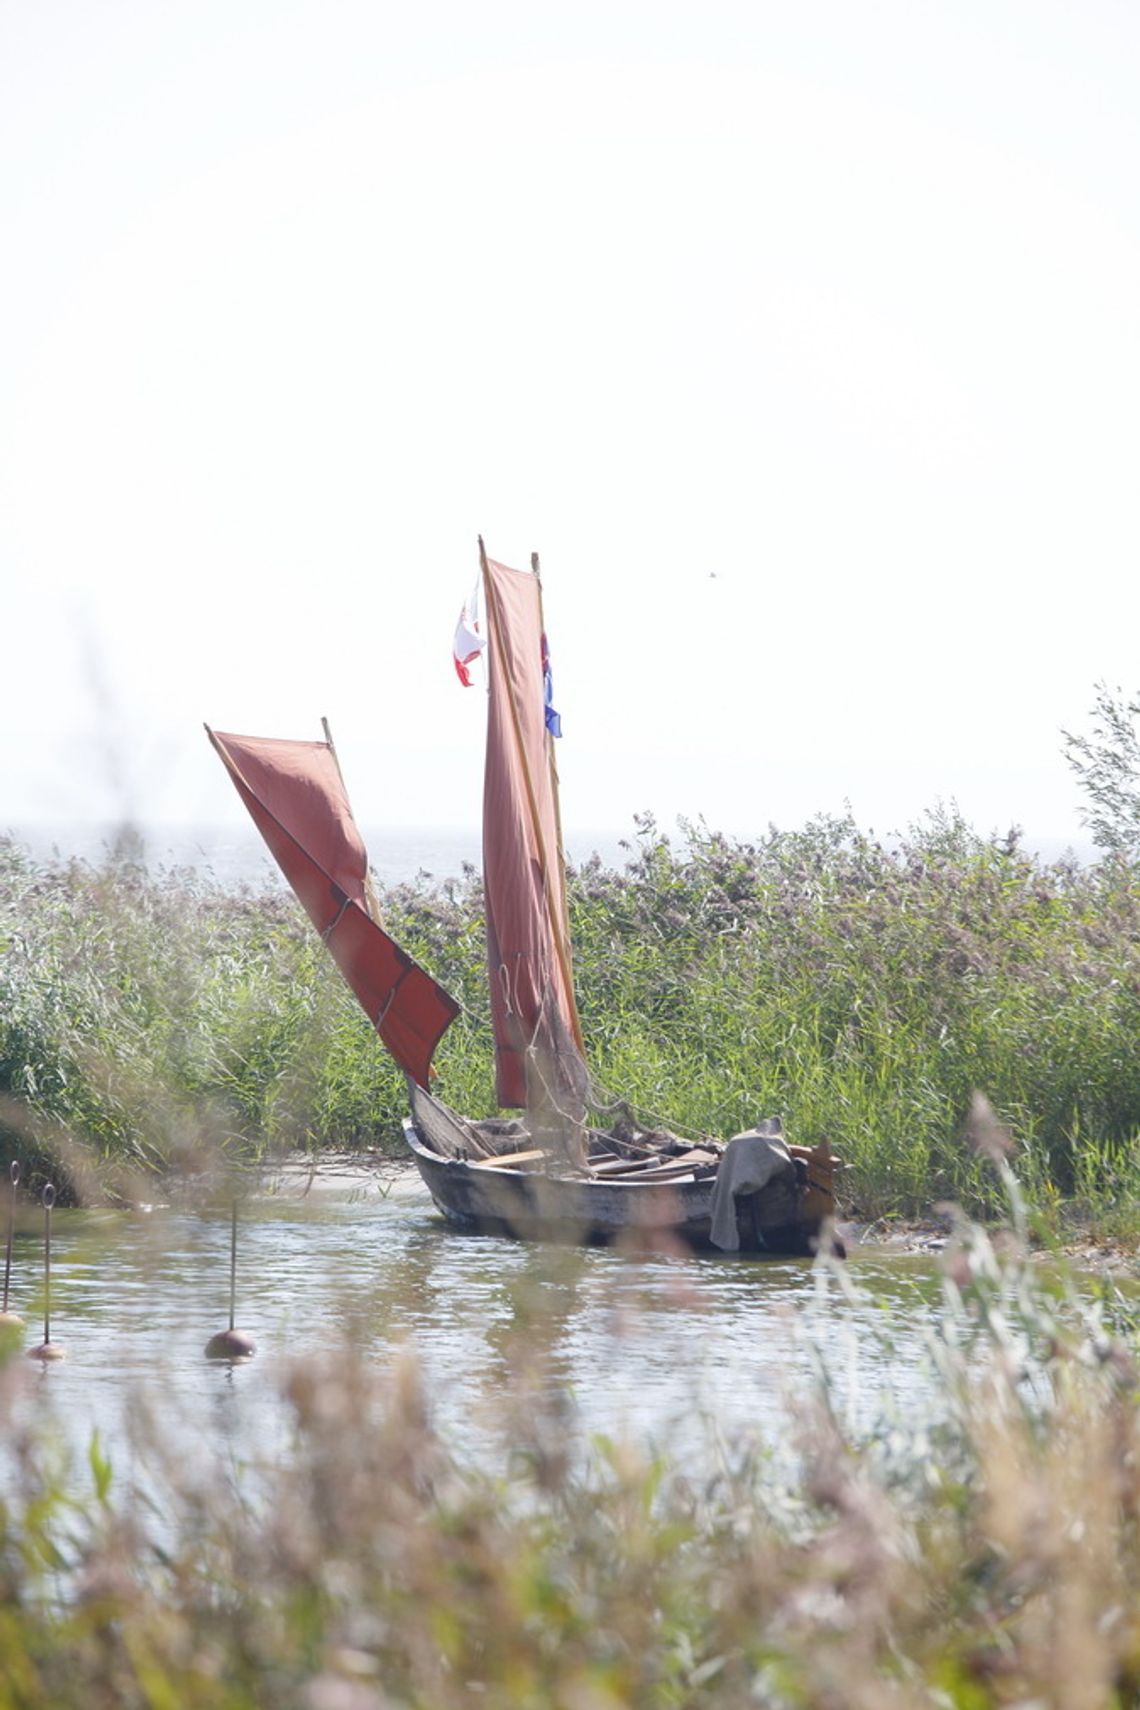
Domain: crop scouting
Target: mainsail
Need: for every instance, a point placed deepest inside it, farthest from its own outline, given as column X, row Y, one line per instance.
column 296, row 798
column 533, row 1012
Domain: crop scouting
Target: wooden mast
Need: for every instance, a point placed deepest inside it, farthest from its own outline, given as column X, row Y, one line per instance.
column 556, row 792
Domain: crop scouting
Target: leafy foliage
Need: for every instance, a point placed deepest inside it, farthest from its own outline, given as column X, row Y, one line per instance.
column 1107, row 764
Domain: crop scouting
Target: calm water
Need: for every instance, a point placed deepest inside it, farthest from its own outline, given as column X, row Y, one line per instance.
column 653, row 1348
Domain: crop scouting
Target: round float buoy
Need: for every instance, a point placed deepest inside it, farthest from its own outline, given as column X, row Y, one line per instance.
column 230, row 1344
column 47, row 1351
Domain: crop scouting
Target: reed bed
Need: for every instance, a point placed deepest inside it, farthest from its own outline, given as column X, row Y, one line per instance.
column 861, row 991
column 983, row 1550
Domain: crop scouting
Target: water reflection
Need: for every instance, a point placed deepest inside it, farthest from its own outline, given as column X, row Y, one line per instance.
column 650, row 1346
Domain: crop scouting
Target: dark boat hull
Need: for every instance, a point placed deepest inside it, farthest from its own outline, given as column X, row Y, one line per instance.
column 538, row 1204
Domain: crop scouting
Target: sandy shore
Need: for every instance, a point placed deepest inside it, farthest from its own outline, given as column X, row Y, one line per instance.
column 343, row 1176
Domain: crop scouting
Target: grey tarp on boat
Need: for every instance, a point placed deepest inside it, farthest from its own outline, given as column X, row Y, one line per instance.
column 749, row 1163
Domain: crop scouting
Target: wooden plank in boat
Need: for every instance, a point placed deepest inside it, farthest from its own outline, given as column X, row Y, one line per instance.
column 651, row 1173
column 628, row 1166
column 666, row 1173
column 821, row 1154
column 508, row 1160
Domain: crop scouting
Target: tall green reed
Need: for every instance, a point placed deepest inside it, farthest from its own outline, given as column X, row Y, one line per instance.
column 860, row 990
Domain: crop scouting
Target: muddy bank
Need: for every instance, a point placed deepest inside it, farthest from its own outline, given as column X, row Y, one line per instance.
column 1108, row 1254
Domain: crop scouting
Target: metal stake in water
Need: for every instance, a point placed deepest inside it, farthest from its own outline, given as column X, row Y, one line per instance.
column 232, row 1344
column 233, row 1260
column 10, row 1320
column 48, row 1350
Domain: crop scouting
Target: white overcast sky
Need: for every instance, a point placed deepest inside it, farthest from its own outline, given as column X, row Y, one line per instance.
column 801, row 339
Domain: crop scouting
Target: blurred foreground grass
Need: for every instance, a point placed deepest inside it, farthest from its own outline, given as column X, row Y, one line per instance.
column 859, row 991
column 981, row 1550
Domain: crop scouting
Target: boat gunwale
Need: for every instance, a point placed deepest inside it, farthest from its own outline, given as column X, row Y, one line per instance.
column 599, row 1185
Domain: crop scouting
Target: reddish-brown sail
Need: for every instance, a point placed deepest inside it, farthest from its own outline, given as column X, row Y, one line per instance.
column 532, row 996
column 297, row 800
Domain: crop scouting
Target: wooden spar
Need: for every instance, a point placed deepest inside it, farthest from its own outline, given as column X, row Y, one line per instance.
column 556, row 791
column 558, row 928
column 370, row 896
column 332, row 750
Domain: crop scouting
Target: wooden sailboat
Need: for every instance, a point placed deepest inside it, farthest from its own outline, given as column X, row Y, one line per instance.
column 549, row 1173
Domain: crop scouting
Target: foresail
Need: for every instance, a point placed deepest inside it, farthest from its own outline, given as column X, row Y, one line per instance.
column 297, row 800
column 532, row 996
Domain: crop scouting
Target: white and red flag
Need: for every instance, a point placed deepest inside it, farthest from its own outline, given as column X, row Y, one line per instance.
column 470, row 636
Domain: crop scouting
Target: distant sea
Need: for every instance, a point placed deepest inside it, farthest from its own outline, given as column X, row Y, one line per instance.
column 234, row 854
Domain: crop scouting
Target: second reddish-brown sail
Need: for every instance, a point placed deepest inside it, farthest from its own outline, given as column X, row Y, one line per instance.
column 297, row 800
